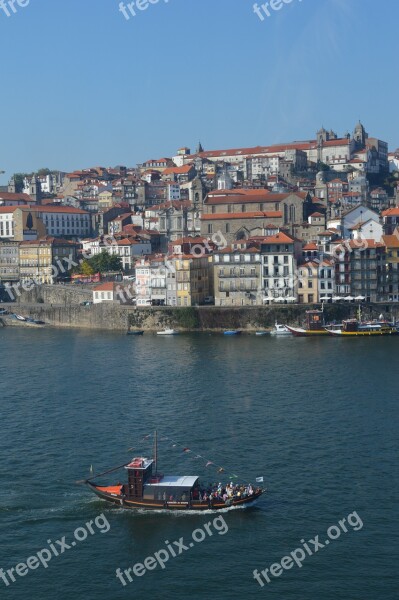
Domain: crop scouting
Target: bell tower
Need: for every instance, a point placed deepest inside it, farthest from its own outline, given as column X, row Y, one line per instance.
column 35, row 189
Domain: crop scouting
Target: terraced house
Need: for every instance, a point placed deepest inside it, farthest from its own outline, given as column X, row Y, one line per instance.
column 192, row 278
column 237, row 274
column 280, row 253
column 46, row 260
column 9, row 261
column 390, row 290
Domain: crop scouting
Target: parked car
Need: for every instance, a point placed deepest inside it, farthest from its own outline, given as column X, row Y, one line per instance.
column 209, row 300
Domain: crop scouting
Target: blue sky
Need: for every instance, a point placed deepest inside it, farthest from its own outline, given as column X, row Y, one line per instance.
column 83, row 86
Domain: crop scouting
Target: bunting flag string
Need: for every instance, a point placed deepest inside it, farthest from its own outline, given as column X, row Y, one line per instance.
column 188, row 451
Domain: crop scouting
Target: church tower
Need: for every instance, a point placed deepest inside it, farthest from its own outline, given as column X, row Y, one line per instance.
column 360, row 136
column 12, row 186
column 199, row 148
column 35, row 190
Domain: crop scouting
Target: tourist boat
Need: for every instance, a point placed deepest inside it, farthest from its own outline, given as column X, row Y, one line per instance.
column 314, row 325
column 148, row 489
column 167, row 332
column 280, row 330
column 356, row 328
column 232, row 332
column 135, row 332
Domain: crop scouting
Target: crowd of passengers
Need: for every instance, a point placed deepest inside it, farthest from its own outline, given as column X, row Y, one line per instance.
column 223, row 493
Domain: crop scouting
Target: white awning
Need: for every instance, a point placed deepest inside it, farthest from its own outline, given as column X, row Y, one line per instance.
column 360, row 298
column 187, row 481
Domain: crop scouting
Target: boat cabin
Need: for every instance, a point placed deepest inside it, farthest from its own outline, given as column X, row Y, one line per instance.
column 172, row 489
column 353, row 326
column 139, row 471
column 314, row 320
column 143, row 484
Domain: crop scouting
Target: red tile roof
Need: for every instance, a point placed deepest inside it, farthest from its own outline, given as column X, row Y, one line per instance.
column 391, row 241
column 104, row 287
column 242, row 215
column 15, row 197
column 391, row 212
column 178, row 170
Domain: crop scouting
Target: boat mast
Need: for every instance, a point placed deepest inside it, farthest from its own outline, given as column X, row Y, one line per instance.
column 156, row 451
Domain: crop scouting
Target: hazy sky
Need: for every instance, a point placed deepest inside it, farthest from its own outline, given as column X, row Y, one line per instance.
column 81, row 85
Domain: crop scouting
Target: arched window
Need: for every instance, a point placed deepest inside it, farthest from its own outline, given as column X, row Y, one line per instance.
column 292, row 213
column 285, row 214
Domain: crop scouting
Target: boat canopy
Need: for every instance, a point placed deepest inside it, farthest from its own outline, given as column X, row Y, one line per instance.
column 185, row 481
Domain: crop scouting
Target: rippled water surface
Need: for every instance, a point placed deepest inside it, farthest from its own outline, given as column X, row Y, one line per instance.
column 318, row 418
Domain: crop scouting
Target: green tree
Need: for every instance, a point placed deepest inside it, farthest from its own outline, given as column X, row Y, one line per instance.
column 105, row 262
column 19, row 182
column 322, row 166
column 86, row 268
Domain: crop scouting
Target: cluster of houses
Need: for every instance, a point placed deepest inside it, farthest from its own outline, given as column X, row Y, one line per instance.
column 297, row 222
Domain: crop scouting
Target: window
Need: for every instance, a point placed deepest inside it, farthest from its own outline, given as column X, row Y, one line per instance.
column 210, row 228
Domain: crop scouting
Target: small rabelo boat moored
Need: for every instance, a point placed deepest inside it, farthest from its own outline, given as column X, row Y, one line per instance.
column 150, row 490
column 355, row 328
column 314, row 325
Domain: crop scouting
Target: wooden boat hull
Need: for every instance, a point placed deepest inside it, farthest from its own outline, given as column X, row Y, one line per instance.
column 339, row 333
column 300, row 332
column 113, row 495
column 135, row 333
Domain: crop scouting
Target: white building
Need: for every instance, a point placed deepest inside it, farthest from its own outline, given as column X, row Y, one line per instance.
column 151, row 274
column 173, row 191
column 367, row 230
column 127, row 249
column 279, row 254
column 64, row 221
column 352, row 217
column 326, row 279
column 7, row 222
column 105, row 292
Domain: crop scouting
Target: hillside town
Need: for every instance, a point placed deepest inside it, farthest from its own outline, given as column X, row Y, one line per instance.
column 301, row 222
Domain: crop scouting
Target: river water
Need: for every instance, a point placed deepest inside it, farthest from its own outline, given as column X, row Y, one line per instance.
column 317, row 418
